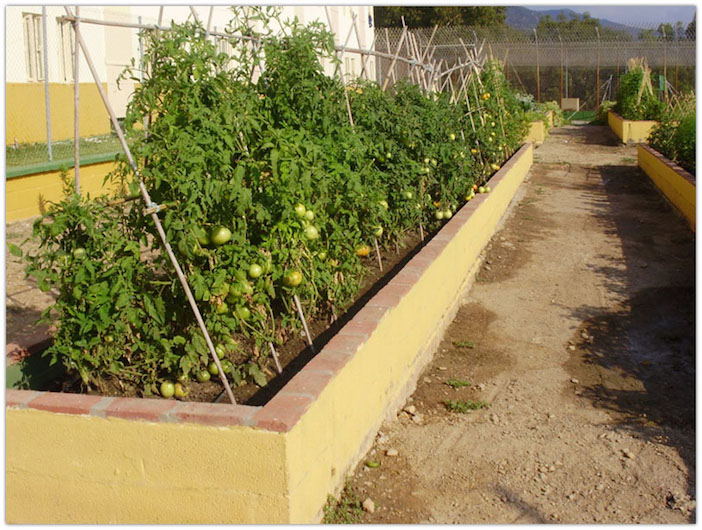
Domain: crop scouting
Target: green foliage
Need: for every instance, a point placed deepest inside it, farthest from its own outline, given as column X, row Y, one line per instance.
column 603, row 111
column 577, row 28
column 347, row 510
column 421, row 17
column 457, row 383
column 464, row 344
column 675, row 136
column 462, row 407
column 635, row 97
column 233, row 158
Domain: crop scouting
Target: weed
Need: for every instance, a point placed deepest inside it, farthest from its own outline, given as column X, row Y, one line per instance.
column 464, row 344
column 347, row 510
column 464, row 406
column 628, row 159
column 457, row 383
column 540, row 191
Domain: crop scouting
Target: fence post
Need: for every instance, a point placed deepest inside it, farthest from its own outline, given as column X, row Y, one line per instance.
column 76, row 97
column 597, row 81
column 561, row 40
column 665, row 62
column 47, row 102
column 538, row 81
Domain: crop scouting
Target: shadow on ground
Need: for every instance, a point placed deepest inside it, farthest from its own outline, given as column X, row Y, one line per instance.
column 637, row 359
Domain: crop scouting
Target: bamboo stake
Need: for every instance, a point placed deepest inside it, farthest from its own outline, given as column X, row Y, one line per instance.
column 394, row 60
column 358, row 41
column 421, row 231
column 377, row 251
column 160, row 15
column 304, row 323
column 387, row 40
column 154, row 216
column 340, row 69
column 275, row 358
column 76, row 101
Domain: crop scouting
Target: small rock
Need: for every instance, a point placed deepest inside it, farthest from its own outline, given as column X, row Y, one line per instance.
column 417, row 418
column 542, row 476
column 599, row 487
column 369, row 505
column 494, row 418
column 410, row 410
column 571, row 496
column 481, row 386
column 550, row 416
column 392, row 452
column 382, row 439
column 427, row 379
column 628, row 454
column 574, row 381
column 443, row 368
column 584, row 334
column 487, row 267
column 488, row 261
column 551, row 469
column 571, row 347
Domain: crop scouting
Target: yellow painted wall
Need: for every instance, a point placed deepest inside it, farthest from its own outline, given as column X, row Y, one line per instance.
column 338, row 428
column 24, row 195
column 678, row 190
column 536, row 133
column 25, row 112
column 63, row 468
column 628, row 130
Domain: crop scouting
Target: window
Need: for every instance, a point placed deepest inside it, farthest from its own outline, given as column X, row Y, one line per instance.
column 33, row 46
column 66, row 50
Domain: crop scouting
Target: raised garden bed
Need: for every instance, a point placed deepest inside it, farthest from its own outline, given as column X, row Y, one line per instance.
column 94, row 459
column 676, row 184
column 628, row 131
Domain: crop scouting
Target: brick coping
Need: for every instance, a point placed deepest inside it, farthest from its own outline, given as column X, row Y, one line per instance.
column 284, row 410
column 668, row 162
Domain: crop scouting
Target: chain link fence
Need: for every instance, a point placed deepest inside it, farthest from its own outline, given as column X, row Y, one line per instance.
column 552, row 66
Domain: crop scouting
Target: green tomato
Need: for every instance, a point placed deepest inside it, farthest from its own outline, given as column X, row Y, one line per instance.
column 388, row 155
column 292, row 278
column 300, row 210
column 377, row 231
column 481, row 189
column 220, row 351
column 227, row 366
column 487, row 189
column 203, row 376
column 322, row 255
column 452, row 137
column 434, row 162
column 309, row 215
column 408, row 195
column 220, row 235
column 384, row 204
column 255, row 270
column 311, row 232
column 180, row 391
column 222, row 308
column 447, row 214
column 167, row 389
column 242, row 312
column 79, row 253
column 426, row 161
column 246, row 287
column 212, row 368
column 439, row 215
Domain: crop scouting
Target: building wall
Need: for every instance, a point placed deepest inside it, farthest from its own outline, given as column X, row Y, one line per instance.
column 112, row 49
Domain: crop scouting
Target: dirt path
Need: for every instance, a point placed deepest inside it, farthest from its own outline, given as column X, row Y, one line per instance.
column 579, row 336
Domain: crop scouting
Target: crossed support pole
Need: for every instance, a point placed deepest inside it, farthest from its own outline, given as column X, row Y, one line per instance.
column 154, row 213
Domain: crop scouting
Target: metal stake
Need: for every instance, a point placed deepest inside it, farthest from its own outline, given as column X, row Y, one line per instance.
column 47, row 102
column 76, row 101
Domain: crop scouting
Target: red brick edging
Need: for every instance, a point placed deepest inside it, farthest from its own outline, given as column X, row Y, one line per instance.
column 284, row 410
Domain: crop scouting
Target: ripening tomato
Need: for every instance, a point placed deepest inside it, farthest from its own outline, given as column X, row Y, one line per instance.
column 300, row 210
column 311, row 232
column 255, row 270
column 220, row 235
column 167, row 389
column 362, row 251
column 292, row 278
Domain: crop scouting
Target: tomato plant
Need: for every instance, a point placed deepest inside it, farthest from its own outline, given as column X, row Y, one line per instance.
column 270, row 191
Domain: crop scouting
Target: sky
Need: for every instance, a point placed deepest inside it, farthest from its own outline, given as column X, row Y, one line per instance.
column 632, row 14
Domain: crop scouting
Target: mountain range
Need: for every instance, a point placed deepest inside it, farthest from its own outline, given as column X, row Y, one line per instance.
column 526, row 19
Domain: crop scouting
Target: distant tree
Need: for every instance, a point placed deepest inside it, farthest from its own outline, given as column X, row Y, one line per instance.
column 647, row 35
column 679, row 30
column 576, row 28
column 690, row 31
column 419, row 16
column 666, row 31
